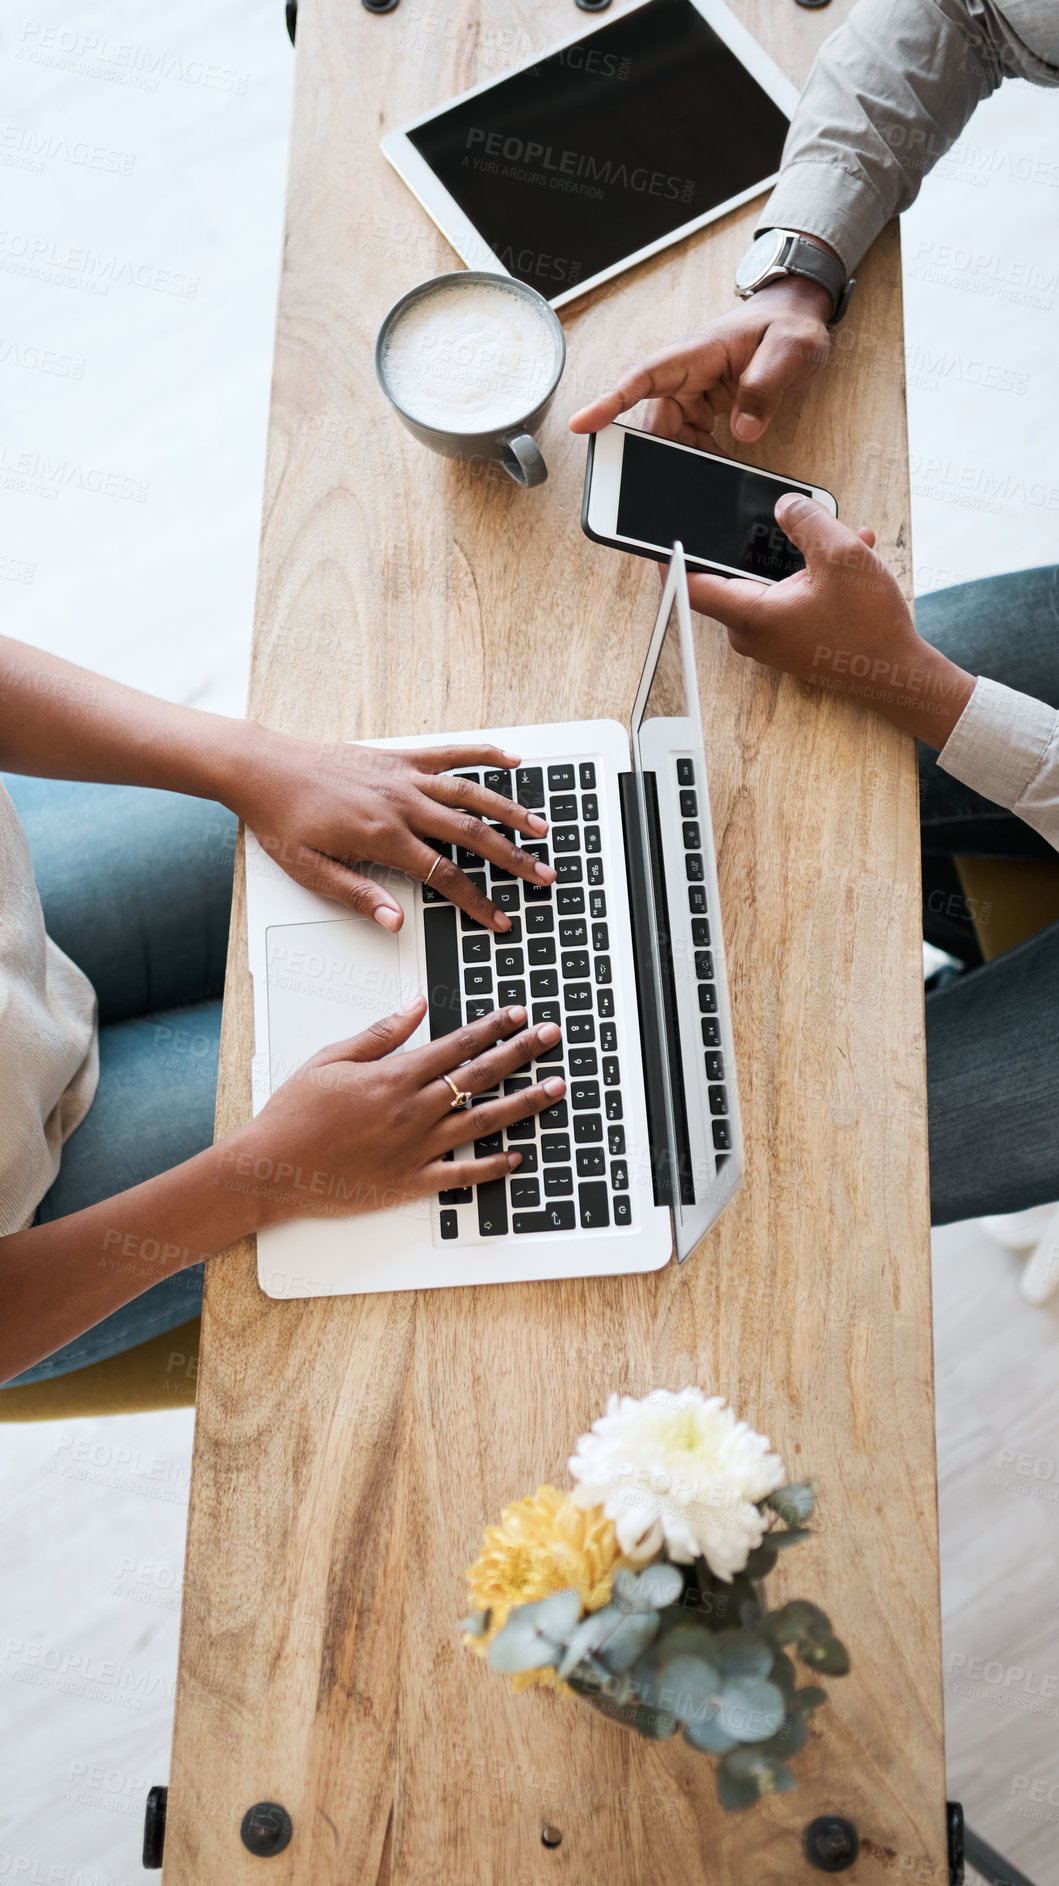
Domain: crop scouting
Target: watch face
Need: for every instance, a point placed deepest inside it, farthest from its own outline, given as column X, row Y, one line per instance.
column 759, row 258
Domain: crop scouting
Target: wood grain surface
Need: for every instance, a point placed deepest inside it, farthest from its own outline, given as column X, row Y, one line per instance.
column 349, row 1452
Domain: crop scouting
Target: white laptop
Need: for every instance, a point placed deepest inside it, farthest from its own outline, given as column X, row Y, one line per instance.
column 624, row 951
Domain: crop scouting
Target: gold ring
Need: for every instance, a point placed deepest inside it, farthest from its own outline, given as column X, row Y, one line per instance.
column 432, row 870
column 460, row 1101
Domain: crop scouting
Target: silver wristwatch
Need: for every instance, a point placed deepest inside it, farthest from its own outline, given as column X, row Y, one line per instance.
column 779, row 252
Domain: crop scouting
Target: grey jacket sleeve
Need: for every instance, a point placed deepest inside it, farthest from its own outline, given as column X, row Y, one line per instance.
column 888, row 95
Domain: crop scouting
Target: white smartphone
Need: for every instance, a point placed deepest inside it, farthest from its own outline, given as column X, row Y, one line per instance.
column 644, row 493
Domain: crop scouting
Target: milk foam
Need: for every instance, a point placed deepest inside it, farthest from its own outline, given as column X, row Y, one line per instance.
column 470, row 357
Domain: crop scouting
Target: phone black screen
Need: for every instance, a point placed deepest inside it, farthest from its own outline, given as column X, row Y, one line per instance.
column 720, row 511
column 572, row 165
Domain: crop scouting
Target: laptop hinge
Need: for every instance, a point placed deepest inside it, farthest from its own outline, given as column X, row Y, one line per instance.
column 641, row 907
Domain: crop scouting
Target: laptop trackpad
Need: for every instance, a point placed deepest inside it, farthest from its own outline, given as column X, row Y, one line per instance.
column 327, row 980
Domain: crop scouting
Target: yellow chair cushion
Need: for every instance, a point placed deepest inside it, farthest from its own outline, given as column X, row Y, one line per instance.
column 160, row 1373
column 1009, row 899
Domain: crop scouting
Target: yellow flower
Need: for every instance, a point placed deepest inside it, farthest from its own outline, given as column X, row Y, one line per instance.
column 543, row 1544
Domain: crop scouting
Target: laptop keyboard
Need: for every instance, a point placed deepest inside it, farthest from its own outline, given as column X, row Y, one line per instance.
column 702, row 953
column 555, row 961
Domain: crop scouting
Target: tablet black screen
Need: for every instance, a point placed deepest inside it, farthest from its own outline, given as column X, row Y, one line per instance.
column 567, row 168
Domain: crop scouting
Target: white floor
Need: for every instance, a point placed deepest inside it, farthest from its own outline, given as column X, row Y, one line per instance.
column 142, row 185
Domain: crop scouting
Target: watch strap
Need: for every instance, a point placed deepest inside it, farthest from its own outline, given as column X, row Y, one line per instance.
column 802, row 257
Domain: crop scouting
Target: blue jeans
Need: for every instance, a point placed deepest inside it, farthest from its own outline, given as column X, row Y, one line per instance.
column 137, row 888
column 993, row 1035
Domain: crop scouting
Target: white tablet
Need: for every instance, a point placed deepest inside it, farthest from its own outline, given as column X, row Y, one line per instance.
column 603, row 151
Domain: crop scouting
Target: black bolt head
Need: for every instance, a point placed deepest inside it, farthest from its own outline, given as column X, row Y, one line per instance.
column 831, row 1843
column 266, row 1829
column 593, row 6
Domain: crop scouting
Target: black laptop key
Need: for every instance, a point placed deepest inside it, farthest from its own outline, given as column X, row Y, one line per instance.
column 597, row 903
column 623, row 1210
column 569, row 902
column 477, row 949
column 696, row 899
column 573, row 933
column 511, row 995
column 583, row 1061
column 593, row 838
column 555, row 1116
column 529, row 786
column 546, row 1012
column 692, row 835
column 704, row 965
column 586, row 772
column 711, row 1032
column 587, row 1127
column 593, row 1205
column 591, row 1162
column 449, row 1224
column 537, row 893
column 584, row 1094
column 722, row 1136
column 608, row 1038
column 558, row 1216
column 506, row 897
column 478, row 1009
column 577, row 995
column 456, row 1195
column 541, row 949
column 523, row 1129
column 575, row 964
column 516, row 1083
column 685, row 773
column 568, row 870
column 499, row 874
column 616, row 1139
column 715, row 1067
column 619, row 1176
column 605, row 1001
column 433, row 896
column 718, row 1100
column 555, row 1149
column 495, row 781
column 595, row 870
column 524, row 1193
column 590, row 808
column 558, row 1182
column 693, row 866
column 611, row 1071
column 529, row 1159
column 689, row 805
column 580, row 1028
column 563, row 811
column 600, row 936
column 614, row 1107
column 603, row 969
column 509, row 962
column 560, row 779
column 443, row 970
column 708, row 998
column 700, row 932
column 478, row 979
column 492, row 1208
column 538, row 921
column 489, row 1146
column 467, row 859
column 544, row 982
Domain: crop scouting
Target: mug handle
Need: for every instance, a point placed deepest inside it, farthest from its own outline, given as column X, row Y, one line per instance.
column 523, row 459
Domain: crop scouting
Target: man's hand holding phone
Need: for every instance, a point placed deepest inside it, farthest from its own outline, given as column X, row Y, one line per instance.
column 841, row 624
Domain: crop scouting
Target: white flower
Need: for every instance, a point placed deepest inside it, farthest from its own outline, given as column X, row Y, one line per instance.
column 678, row 1472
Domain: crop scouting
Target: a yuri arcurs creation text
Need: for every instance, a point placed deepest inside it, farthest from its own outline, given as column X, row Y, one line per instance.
column 641, row 1589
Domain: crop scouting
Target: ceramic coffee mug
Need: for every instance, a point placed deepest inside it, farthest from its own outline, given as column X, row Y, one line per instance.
column 470, row 362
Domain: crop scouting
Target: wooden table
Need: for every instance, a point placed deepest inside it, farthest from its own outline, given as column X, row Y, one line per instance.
column 348, row 1452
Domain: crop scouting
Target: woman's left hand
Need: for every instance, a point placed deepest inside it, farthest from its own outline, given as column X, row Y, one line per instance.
column 321, row 811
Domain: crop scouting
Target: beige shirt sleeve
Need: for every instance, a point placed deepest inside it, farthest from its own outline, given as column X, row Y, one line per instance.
column 888, row 96
column 1005, row 745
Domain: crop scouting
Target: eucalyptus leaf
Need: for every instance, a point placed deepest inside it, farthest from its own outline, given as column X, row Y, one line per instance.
column 650, row 1590
column 762, row 1559
column 750, row 1615
column 809, row 1698
column 825, row 1654
column 791, row 1736
column 689, row 1687
column 795, row 1620
column 794, row 1502
column 785, row 1677
column 656, row 1724
column 628, row 1640
column 739, row 1654
column 477, row 1624
column 708, row 1736
column 764, row 1773
column 556, row 1616
column 751, row 1709
column 733, row 1792
column 534, row 1634
column 779, row 1541
column 586, row 1638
